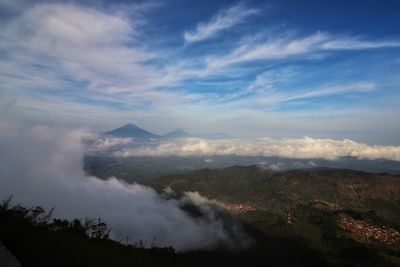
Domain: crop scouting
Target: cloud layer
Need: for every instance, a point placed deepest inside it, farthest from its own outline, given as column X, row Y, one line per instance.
column 43, row 166
column 303, row 148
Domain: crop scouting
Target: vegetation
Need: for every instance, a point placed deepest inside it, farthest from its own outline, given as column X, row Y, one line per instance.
column 146, row 168
column 275, row 191
column 37, row 239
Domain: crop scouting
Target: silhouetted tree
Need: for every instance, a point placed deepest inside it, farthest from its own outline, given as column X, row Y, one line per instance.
column 100, row 230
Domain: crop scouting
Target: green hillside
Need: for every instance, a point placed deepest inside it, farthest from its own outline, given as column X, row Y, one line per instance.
column 326, row 206
column 276, row 191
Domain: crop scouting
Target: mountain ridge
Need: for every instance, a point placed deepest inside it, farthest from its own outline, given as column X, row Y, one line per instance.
column 134, row 131
column 131, row 130
column 177, row 133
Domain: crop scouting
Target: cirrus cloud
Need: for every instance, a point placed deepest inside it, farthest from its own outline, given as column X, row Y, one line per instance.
column 223, row 20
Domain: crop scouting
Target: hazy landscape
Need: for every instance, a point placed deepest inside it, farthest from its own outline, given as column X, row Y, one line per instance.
column 185, row 133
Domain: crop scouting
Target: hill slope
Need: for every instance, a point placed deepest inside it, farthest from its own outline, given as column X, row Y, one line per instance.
column 276, row 191
column 351, row 217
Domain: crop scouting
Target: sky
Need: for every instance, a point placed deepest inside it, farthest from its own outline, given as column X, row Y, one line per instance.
column 324, row 69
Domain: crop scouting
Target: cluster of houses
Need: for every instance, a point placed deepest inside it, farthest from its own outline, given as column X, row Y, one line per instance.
column 364, row 229
column 239, row 208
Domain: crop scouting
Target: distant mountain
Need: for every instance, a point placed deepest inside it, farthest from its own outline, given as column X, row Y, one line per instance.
column 214, row 136
column 178, row 133
column 131, row 130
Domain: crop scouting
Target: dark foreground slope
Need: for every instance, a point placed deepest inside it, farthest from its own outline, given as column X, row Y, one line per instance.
column 36, row 239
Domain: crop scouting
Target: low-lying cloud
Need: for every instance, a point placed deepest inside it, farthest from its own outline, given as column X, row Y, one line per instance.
column 43, row 166
column 96, row 143
column 302, row 148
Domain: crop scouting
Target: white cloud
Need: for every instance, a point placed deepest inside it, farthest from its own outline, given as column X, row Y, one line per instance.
column 306, row 147
column 223, row 20
column 281, row 47
column 267, row 80
column 82, row 43
column 334, row 90
column 99, row 143
column 270, row 95
column 270, row 88
column 196, row 198
column 83, row 53
column 358, row 44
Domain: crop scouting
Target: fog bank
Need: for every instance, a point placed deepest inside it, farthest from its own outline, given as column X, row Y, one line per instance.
column 43, row 166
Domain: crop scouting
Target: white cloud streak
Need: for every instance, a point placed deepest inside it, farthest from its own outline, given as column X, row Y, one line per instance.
column 287, row 46
column 270, row 95
column 306, row 147
column 223, row 20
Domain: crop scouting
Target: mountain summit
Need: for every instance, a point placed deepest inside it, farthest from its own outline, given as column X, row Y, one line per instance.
column 131, row 130
column 178, row 133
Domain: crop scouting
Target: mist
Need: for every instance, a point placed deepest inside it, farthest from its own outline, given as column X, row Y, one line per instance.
column 42, row 165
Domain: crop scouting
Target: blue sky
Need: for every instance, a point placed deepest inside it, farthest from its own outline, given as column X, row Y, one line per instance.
column 247, row 68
